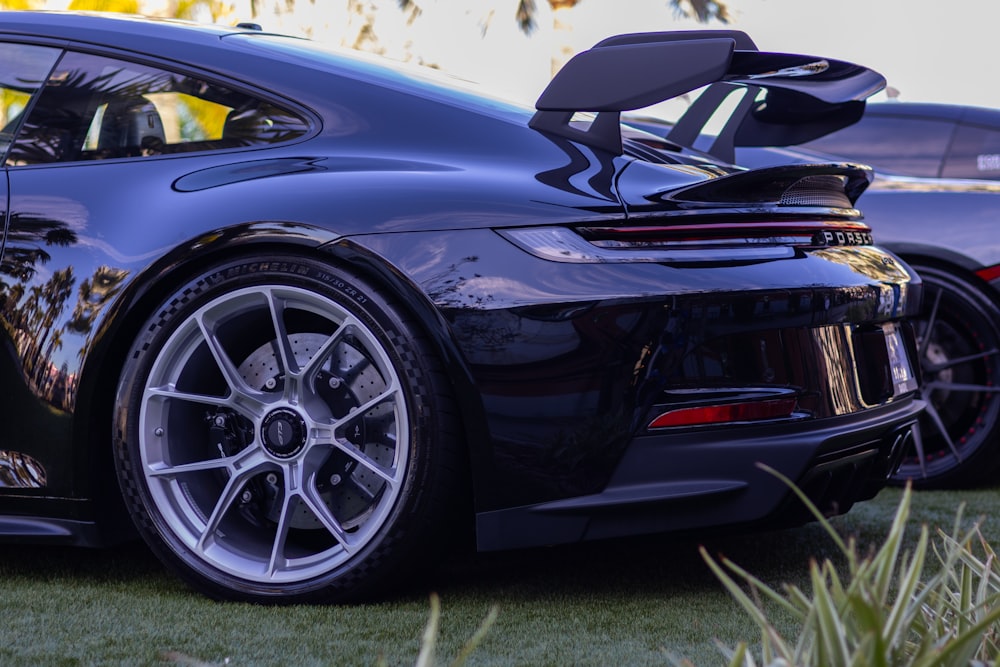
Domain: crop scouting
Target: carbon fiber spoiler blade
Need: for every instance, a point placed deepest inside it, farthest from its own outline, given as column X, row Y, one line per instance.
column 781, row 185
column 804, row 97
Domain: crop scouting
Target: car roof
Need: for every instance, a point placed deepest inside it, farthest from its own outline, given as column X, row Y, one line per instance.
column 936, row 111
column 124, row 31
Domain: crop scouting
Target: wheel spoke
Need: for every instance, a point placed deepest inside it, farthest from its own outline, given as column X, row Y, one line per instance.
column 389, row 475
column 243, row 464
column 931, row 321
column 222, row 505
column 360, row 489
column 957, row 361
column 958, row 386
column 942, row 430
column 320, row 435
column 286, row 354
column 324, row 352
column 277, row 559
column 241, row 468
column 325, row 517
column 357, row 369
column 163, row 470
column 297, row 378
column 918, row 446
column 171, row 392
column 241, row 394
column 390, row 392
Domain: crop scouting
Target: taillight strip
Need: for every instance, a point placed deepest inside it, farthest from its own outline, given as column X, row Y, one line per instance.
column 828, row 233
column 683, row 243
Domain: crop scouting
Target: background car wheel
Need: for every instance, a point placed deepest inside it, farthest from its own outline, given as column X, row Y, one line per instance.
column 958, row 339
column 284, row 434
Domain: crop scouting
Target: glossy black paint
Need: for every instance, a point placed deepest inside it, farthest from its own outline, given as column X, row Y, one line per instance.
column 558, row 367
column 563, row 351
column 946, row 228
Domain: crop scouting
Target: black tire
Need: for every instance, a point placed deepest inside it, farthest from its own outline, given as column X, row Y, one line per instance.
column 958, row 341
column 284, row 434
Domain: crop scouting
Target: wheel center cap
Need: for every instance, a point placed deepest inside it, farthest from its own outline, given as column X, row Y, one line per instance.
column 283, row 433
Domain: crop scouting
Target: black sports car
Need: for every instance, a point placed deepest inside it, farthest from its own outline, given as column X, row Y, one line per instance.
column 934, row 203
column 301, row 314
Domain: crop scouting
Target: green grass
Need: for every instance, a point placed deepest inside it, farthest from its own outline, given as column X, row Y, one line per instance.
column 627, row 602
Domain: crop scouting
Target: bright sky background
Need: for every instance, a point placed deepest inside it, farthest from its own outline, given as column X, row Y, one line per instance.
column 931, row 51
column 928, row 50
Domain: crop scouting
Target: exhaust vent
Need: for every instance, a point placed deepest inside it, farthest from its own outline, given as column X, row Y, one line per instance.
column 822, row 190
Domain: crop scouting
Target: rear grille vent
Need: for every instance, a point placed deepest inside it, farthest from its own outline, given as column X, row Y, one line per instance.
column 640, row 150
column 820, row 190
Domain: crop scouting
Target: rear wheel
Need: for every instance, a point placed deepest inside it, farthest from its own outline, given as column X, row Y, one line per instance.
column 284, row 434
column 958, row 340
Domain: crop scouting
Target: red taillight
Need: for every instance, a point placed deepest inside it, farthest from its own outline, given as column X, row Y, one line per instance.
column 726, row 413
column 990, row 273
column 813, row 233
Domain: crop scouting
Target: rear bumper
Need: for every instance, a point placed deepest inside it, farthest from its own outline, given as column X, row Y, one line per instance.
column 713, row 478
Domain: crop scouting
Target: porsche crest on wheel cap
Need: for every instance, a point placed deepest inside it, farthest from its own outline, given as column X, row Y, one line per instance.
column 283, row 433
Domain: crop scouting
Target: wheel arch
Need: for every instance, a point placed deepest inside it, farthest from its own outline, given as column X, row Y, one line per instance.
column 105, row 360
column 968, row 424
column 945, row 260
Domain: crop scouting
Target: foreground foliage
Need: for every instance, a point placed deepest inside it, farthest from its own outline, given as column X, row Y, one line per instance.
column 429, row 642
column 885, row 610
column 620, row 602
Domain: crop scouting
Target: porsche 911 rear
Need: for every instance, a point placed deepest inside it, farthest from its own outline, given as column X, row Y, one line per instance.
column 634, row 378
column 680, row 353
column 291, row 310
column 740, row 319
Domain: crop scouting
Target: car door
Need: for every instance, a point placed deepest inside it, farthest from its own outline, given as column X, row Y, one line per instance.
column 91, row 201
column 23, row 70
column 975, row 153
column 904, row 145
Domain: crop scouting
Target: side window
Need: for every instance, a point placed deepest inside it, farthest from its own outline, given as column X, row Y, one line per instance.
column 975, row 153
column 95, row 108
column 907, row 146
column 23, row 69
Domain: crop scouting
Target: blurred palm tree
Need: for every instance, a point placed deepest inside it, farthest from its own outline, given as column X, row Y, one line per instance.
column 120, row 6
column 702, row 10
column 182, row 9
column 526, row 14
column 191, row 9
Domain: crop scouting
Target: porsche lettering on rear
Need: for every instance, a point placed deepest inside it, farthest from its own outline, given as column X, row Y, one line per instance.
column 829, row 238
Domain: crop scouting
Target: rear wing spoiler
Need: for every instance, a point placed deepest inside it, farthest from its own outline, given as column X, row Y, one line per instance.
column 786, row 98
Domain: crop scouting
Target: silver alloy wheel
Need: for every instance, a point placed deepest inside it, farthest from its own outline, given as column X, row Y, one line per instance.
column 273, row 434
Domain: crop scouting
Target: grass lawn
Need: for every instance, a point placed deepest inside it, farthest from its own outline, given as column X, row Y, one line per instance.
column 628, row 602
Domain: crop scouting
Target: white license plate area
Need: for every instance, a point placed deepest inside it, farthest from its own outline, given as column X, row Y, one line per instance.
column 903, row 377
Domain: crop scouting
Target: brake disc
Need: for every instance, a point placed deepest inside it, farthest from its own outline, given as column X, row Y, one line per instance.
column 344, row 382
